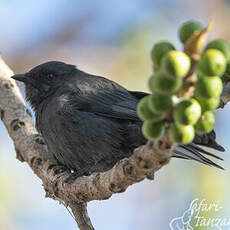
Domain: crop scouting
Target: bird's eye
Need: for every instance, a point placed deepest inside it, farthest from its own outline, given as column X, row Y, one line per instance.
column 50, row 77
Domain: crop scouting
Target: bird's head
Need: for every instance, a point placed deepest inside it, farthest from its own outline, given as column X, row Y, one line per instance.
column 43, row 80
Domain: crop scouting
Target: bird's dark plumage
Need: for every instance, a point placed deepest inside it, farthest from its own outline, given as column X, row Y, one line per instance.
column 89, row 122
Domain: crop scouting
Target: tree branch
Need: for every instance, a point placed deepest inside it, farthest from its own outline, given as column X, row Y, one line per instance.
column 81, row 216
column 30, row 148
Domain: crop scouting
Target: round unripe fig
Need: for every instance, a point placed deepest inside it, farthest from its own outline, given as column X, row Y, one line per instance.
column 176, row 64
column 208, row 87
column 160, row 103
column 212, row 63
column 162, row 83
column 187, row 112
column 181, row 134
column 153, row 130
column 206, row 122
column 187, row 29
column 159, row 50
column 144, row 112
column 221, row 45
column 208, row 103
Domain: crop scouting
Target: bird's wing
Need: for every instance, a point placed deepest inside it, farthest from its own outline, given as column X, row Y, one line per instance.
column 118, row 104
column 104, row 97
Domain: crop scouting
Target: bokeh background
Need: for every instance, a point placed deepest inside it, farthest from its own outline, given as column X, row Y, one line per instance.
column 110, row 38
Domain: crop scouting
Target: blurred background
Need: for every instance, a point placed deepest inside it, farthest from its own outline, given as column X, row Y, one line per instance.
column 110, row 38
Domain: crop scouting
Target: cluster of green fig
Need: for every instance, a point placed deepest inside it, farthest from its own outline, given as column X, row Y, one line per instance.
column 182, row 115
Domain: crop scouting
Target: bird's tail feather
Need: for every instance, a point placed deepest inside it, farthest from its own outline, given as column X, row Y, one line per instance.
column 194, row 152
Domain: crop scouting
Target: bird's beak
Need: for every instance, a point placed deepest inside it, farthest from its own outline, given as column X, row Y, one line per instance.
column 20, row 77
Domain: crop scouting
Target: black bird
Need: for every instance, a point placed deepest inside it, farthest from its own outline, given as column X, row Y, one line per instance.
column 89, row 122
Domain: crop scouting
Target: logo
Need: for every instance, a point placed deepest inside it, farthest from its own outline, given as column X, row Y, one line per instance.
column 200, row 214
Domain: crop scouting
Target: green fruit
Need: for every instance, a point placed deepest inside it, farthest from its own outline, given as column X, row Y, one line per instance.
column 181, row 134
column 187, row 112
column 212, row 63
column 176, row 63
column 208, row 103
column 159, row 50
column 206, row 122
column 221, row 45
column 208, row 87
column 162, row 83
column 187, row 29
column 144, row 112
column 153, row 130
column 160, row 103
